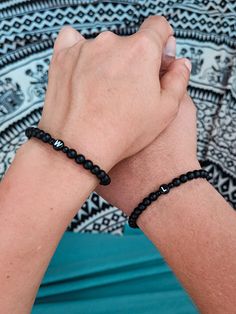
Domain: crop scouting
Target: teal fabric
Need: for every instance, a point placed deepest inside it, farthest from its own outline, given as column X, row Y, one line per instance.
column 102, row 273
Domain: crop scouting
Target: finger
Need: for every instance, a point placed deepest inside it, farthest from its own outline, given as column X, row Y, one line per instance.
column 157, row 27
column 174, row 83
column 66, row 38
column 168, row 55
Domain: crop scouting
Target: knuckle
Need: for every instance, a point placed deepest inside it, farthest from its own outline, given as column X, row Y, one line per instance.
column 144, row 43
column 162, row 19
column 107, row 35
column 156, row 19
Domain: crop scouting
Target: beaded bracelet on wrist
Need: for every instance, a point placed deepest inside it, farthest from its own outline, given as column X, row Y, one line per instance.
column 80, row 159
column 164, row 189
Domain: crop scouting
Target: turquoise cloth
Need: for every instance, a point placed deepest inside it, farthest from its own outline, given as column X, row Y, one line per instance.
column 102, row 273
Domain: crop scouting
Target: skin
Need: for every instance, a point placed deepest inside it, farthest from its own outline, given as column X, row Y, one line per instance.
column 84, row 107
column 193, row 227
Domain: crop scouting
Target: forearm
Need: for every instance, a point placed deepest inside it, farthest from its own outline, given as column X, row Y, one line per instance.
column 194, row 229
column 39, row 196
column 192, row 226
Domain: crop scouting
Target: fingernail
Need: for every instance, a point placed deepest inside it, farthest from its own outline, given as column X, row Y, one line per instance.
column 188, row 64
column 170, row 48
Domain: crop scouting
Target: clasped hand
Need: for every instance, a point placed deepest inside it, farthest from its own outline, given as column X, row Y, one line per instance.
column 106, row 97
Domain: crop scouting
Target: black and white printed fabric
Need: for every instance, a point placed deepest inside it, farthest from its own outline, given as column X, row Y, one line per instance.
column 205, row 32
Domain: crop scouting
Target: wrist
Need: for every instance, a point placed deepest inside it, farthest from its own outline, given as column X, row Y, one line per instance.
column 88, row 141
column 183, row 201
column 53, row 171
column 128, row 175
column 163, row 190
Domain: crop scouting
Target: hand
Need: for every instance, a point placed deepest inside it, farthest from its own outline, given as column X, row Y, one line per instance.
column 170, row 155
column 105, row 97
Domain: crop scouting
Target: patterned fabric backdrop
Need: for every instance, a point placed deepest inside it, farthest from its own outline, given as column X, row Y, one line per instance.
column 205, row 32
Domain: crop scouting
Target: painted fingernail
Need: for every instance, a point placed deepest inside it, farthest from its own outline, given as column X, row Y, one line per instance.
column 188, row 64
column 170, row 48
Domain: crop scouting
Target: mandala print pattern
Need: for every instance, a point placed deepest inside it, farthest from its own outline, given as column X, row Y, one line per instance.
column 205, row 32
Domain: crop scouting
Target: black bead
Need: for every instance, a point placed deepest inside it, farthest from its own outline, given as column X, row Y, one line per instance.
column 106, row 180
column 135, row 214
column 133, row 219
column 101, row 174
column 28, row 132
column 34, row 131
column 153, row 196
column 136, row 211
column 197, row 174
column 164, row 189
column 58, row 144
column 132, row 224
column 171, row 185
column 176, row 182
column 46, row 137
column 146, row 201
column 88, row 164
column 52, row 141
column 183, row 178
column 95, row 170
column 141, row 206
column 40, row 134
column 80, row 159
column 65, row 149
column 190, row 175
column 71, row 153
column 203, row 173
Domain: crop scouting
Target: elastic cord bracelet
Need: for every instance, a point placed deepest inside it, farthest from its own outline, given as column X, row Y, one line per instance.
column 164, row 189
column 80, row 159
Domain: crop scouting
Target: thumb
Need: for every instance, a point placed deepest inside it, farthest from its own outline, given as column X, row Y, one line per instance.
column 66, row 38
column 175, row 81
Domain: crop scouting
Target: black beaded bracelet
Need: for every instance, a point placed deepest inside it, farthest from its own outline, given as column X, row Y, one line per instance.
column 164, row 189
column 80, row 159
